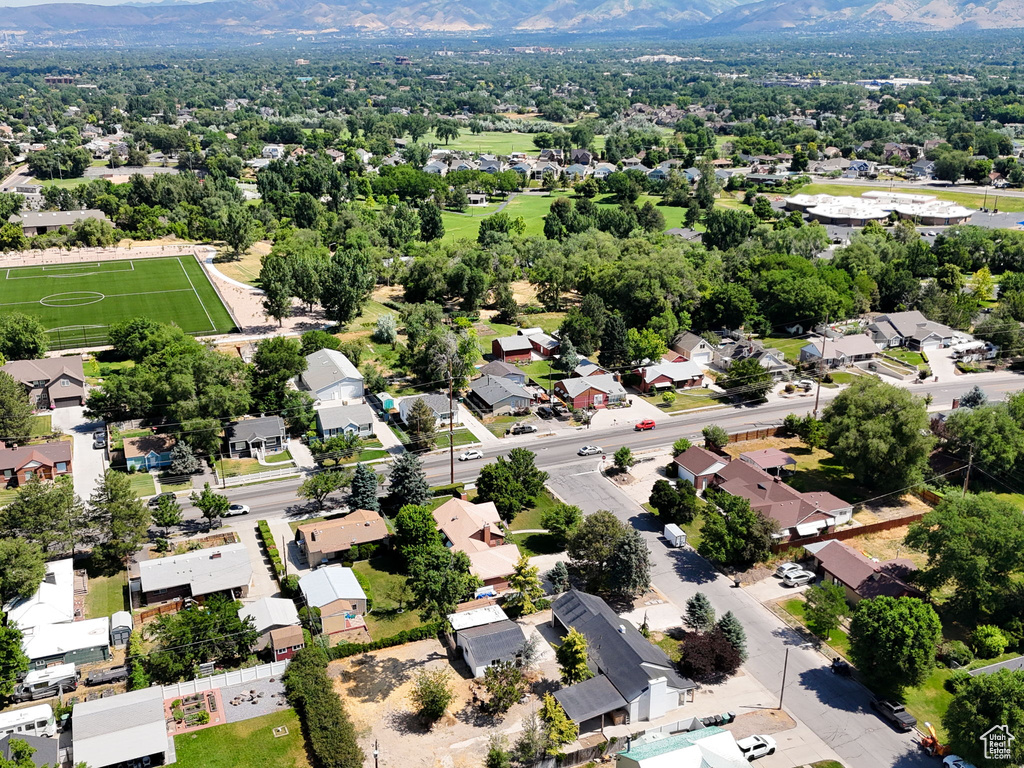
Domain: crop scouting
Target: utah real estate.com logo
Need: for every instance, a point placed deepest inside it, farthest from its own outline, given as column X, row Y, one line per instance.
column 997, row 741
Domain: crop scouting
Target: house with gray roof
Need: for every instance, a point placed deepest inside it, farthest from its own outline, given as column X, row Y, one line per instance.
column 634, row 677
column 41, row 222
column 439, row 405
column 499, row 396
column 249, row 438
column 342, row 419
column 193, row 574
column 503, row 370
column 122, row 729
column 53, row 381
column 591, row 391
column 485, row 645
column 910, row 329
column 268, row 614
column 329, row 375
column 45, row 753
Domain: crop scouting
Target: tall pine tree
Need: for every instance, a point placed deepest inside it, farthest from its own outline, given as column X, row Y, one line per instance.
column 629, row 567
column 700, row 616
column 408, row 483
column 614, row 350
column 730, row 626
column 364, row 489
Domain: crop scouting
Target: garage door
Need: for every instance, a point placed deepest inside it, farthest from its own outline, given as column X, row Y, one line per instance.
column 702, row 358
column 930, row 345
column 67, row 402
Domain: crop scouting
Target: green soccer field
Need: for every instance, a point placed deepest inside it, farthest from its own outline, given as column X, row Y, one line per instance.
column 76, row 302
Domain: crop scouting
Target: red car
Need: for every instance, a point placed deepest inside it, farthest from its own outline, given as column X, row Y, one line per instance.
column 645, row 424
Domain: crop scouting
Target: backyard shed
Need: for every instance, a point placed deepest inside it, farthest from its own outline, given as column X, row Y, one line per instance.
column 120, row 628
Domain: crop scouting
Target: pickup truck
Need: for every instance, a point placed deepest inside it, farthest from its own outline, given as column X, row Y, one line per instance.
column 895, row 714
column 105, row 676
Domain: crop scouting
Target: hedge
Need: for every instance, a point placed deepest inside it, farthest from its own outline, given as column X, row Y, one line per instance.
column 454, row 489
column 403, row 637
column 138, row 678
column 272, row 551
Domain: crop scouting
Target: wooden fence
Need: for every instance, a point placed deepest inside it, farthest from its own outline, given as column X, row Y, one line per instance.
column 755, row 434
column 154, row 613
column 849, row 533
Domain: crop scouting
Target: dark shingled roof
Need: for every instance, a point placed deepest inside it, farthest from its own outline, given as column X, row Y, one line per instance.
column 500, row 640
column 593, row 697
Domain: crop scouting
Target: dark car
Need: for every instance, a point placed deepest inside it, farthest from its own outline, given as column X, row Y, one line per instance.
column 894, row 712
column 155, row 501
column 560, row 411
column 544, row 412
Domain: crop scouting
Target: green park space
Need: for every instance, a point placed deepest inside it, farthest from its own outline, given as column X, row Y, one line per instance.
column 250, row 742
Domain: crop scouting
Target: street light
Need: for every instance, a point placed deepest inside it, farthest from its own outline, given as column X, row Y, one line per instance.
column 785, row 665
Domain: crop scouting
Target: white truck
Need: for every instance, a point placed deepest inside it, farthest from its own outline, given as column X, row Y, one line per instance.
column 674, row 535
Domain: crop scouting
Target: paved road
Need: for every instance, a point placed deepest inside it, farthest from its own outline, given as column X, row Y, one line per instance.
column 835, row 708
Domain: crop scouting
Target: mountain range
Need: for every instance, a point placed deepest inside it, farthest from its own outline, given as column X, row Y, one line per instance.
column 258, row 19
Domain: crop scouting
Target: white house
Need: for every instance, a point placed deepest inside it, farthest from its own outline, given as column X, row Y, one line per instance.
column 329, row 375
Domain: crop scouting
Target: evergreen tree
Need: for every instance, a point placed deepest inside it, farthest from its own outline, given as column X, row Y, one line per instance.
column 364, row 489
column 421, row 425
column 121, row 516
column 614, row 349
column 525, row 584
column 13, row 660
column 572, row 658
column 568, row 360
column 15, row 410
column 559, row 577
column 184, row 460
column 733, row 631
column 431, row 223
column 700, row 616
column 408, row 484
column 629, row 567
column 557, row 725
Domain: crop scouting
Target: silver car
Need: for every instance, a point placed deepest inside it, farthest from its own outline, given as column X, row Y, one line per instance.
column 798, row 578
column 589, row 450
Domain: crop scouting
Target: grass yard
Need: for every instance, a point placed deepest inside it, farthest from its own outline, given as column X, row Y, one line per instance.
column 175, row 487
column 40, row 425
column 907, row 356
column 543, row 373
column 278, row 458
column 251, row 742
column 819, row 470
column 672, row 648
column 531, row 544
column 790, row 346
column 7, row 495
column 530, row 519
column 968, row 199
column 236, row 467
column 105, row 596
column 143, row 484
column 73, row 302
column 488, row 142
column 837, row 640
column 382, row 575
column 844, row 378
column 687, row 400
column 246, row 268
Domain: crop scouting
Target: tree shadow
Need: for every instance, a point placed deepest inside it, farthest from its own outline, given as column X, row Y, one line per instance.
column 691, row 567
column 545, row 685
column 374, row 678
column 478, row 716
column 842, row 693
column 408, row 723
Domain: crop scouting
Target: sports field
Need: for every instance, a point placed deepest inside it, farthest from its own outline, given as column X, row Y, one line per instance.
column 76, row 302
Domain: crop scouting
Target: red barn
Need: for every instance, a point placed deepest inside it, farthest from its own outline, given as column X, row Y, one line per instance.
column 512, row 349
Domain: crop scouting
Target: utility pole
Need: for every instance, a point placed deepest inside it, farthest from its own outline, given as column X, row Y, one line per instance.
column 970, row 462
column 821, row 365
column 451, row 422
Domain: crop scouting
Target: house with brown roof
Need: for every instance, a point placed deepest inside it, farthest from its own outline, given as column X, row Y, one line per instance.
column 475, row 530
column 860, row 576
column 332, row 539
column 771, row 460
column 149, row 452
column 54, row 382
column 46, row 462
column 698, row 466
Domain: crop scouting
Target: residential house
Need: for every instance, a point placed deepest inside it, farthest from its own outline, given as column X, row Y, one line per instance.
column 772, row 360
column 486, row 636
column 329, row 375
column 524, row 168
column 492, row 165
column 286, row 641
column 544, row 345
column 698, row 466
column 363, row 155
column 436, row 167
column 841, row 352
column 335, row 590
column 694, row 348
column 53, row 382
column 553, row 155
column 911, row 329
column 859, row 576
column 45, row 462
column 543, row 167
column 581, row 156
column 701, row 748
column 273, row 151
column 130, row 728
column 76, row 642
column 634, row 681
column 194, row 575
column 45, row 754
column 344, row 419
column 268, row 614
column 441, row 406
column 52, row 603
column 499, row 396
column 604, row 170
column 512, row 349
column 923, row 168
column 576, row 171
column 586, row 368
column 503, row 370
column 659, row 172
column 249, row 438
column 632, row 162
column 475, row 529
column 591, row 391
column 684, row 233
column 149, row 452
column 328, row 540
column 684, row 375
column 770, row 460
column 41, row 222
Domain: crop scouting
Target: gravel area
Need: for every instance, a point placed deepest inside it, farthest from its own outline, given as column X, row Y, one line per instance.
column 271, row 701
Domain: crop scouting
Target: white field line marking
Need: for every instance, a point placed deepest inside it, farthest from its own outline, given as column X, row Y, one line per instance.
column 213, row 326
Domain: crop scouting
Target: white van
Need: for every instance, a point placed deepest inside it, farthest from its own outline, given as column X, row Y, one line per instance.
column 45, row 683
column 34, row 721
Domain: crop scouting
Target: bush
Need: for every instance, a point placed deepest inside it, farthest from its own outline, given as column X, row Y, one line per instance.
column 956, row 653
column 138, row 677
column 403, row 637
column 202, row 718
column 178, row 714
column 454, row 489
column 988, row 641
column 957, row 680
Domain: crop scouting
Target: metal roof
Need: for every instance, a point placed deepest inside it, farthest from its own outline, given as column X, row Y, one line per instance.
column 325, row 585
column 327, row 367
column 120, row 728
column 477, row 617
column 55, row 218
column 205, row 571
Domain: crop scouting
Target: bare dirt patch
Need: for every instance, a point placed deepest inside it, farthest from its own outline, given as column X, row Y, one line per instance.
column 524, row 292
column 887, row 545
column 762, row 721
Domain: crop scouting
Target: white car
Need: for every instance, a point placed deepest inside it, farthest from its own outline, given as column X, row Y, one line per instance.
column 955, row 761
column 235, row 510
column 472, row 453
column 798, row 578
column 589, row 450
column 785, row 568
column 754, row 747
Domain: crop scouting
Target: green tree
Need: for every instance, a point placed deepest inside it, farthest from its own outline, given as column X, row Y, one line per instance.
column 240, row 229
column 700, row 616
column 643, row 346
column 13, row 660
column 431, row 223
column 737, row 536
column 22, row 337
column 592, row 545
column 562, row 521
column 880, row 433
column 276, row 361
column 120, row 515
column 364, row 489
column 415, row 530
column 184, row 460
column 974, row 544
column 12, row 238
column 432, row 693
column 276, row 282
column 22, row 569
column 747, row 379
column 505, row 684
column 825, row 605
column 680, row 446
column 980, row 703
column 524, row 582
column 440, row 580
column 319, row 486
column 408, row 482
column 893, row 641
column 15, row 410
column 568, row 360
column 733, row 631
column 421, row 426
column 512, row 484
column 50, row 514
column 726, row 228
column 498, row 755
column 315, row 340
column 987, row 434
column 167, row 513
column 988, row 641
column 629, row 566
column 446, row 130
column 212, row 504
column 557, row 725
column 715, row 436
column 614, row 350
column 624, row 458
column 558, row 576
column 572, row 658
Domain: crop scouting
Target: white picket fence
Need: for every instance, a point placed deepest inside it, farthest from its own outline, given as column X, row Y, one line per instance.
column 270, row 474
column 224, row 679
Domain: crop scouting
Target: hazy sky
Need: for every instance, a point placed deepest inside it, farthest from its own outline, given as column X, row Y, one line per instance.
column 11, row 3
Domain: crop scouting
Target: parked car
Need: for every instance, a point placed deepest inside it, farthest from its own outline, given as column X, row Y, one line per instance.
column 785, row 568
column 841, row 667
column 754, row 747
column 894, row 712
column 155, row 501
column 105, row 676
column 798, row 578
column 544, row 412
column 471, row 454
column 955, row 761
column 560, row 411
column 523, row 429
column 589, row 450
column 644, row 425
column 235, row 510
column 99, row 439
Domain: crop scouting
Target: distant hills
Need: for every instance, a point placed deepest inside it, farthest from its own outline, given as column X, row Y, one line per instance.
column 259, row 19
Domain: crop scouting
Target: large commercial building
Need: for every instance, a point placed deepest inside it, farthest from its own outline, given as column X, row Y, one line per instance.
column 925, row 210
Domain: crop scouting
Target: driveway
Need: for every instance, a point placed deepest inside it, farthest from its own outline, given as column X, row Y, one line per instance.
column 942, row 365
column 263, row 583
column 88, row 464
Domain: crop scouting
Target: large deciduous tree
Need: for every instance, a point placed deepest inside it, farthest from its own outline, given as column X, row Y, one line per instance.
column 440, row 580
column 22, row 337
column 592, row 546
column 737, row 535
column 981, row 702
column 893, row 641
column 825, row 605
column 747, row 379
column 15, row 409
column 318, row 487
column 512, row 484
column 22, row 569
column 276, row 361
column 50, row 514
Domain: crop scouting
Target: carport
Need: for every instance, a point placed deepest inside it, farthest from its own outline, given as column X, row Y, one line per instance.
column 589, row 703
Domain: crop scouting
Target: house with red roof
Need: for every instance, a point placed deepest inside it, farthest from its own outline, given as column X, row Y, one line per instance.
column 46, row 461
column 860, row 576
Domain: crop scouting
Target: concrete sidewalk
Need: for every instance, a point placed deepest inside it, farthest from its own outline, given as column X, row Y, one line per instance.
column 474, row 425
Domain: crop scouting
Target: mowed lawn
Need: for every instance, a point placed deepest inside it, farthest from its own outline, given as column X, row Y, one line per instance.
column 251, row 742
column 75, row 302
column 970, row 199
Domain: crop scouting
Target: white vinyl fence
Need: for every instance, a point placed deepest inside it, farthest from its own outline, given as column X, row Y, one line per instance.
column 224, row 679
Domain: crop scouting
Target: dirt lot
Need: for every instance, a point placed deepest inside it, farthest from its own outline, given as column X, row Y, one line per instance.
column 886, row 545
column 376, row 688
